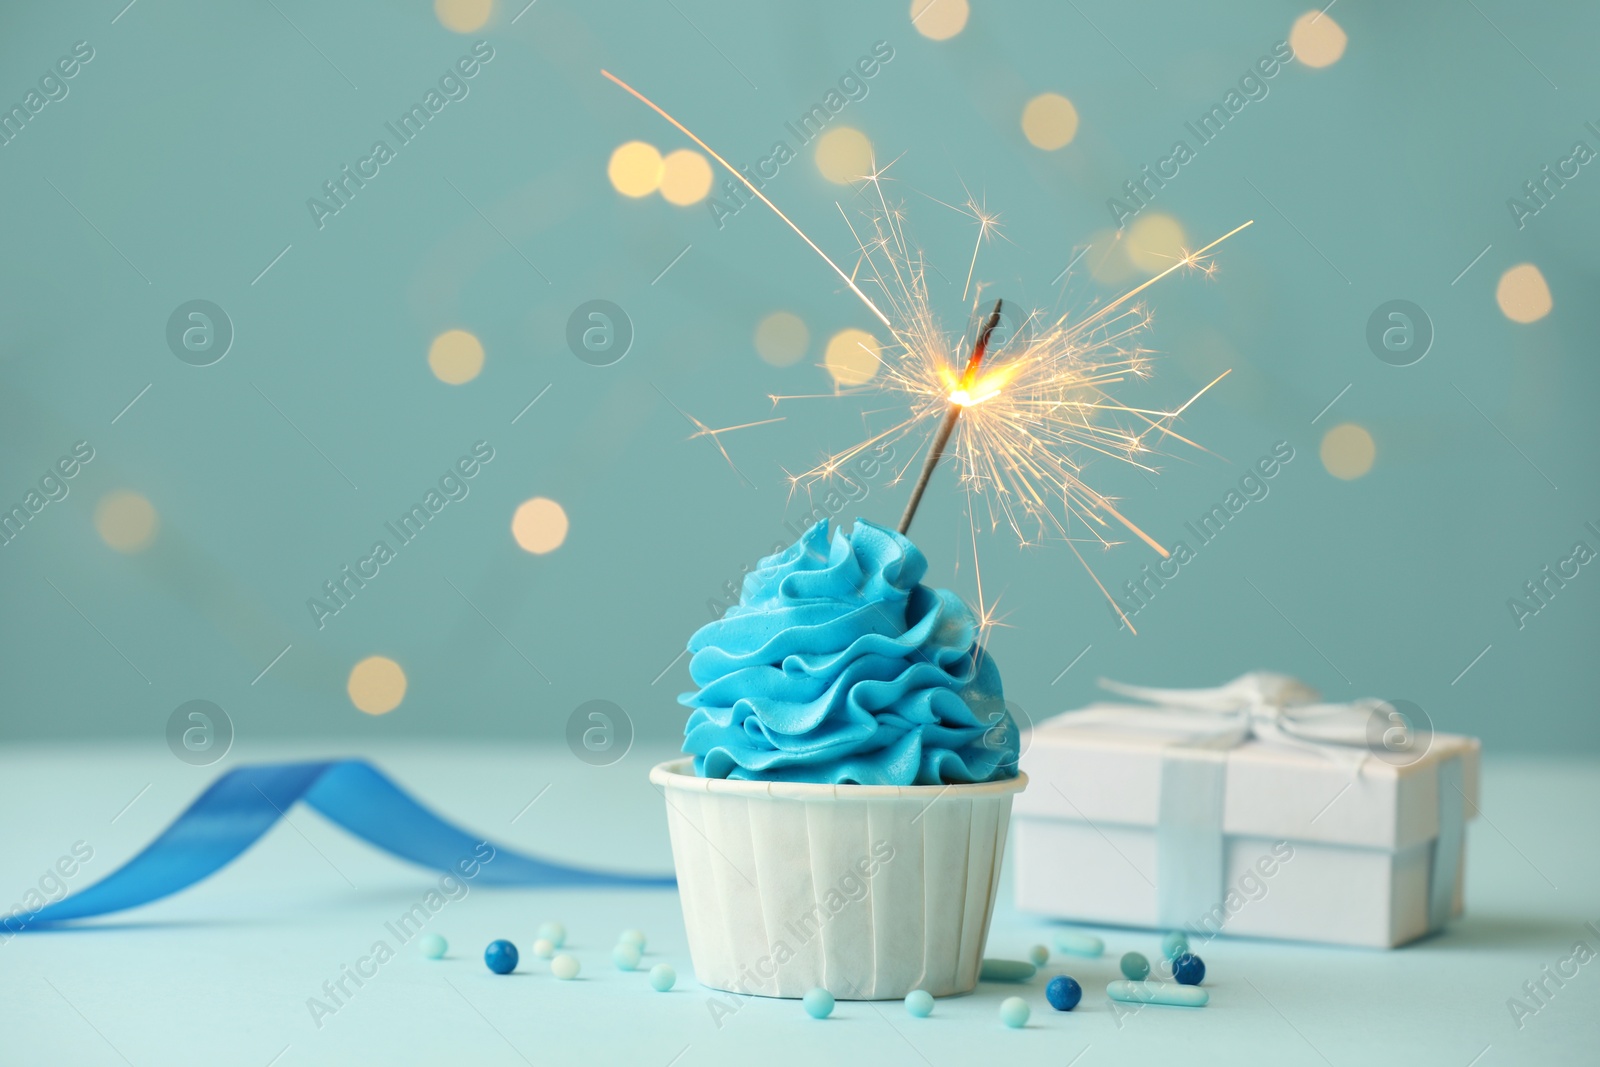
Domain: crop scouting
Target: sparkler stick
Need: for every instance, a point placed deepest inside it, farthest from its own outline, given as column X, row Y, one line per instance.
column 957, row 401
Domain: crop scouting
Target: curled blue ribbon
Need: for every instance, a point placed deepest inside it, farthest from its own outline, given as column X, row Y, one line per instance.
column 236, row 809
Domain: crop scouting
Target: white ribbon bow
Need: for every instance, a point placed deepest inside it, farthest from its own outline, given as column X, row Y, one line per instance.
column 1266, row 706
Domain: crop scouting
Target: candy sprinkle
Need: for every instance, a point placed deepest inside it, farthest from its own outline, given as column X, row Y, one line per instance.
column 1063, row 992
column 564, row 967
column 500, row 957
column 555, row 933
column 662, row 977
column 1174, row 944
column 1014, row 1012
column 433, row 947
column 625, row 956
column 1075, row 944
column 818, row 1003
column 1135, row 967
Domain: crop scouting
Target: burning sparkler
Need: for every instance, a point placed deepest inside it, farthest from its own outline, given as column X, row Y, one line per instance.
column 1019, row 428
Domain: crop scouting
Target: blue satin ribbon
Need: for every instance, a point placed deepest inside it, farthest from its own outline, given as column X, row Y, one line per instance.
column 236, row 809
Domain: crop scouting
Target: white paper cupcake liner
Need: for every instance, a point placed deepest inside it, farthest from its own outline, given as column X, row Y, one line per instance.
column 868, row 892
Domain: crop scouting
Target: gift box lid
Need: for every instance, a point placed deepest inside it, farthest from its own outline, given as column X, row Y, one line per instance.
column 1089, row 767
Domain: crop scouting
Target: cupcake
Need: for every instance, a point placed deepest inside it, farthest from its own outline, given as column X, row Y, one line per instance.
column 842, row 816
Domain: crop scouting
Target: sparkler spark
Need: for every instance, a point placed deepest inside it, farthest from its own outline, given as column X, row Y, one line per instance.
column 1021, row 431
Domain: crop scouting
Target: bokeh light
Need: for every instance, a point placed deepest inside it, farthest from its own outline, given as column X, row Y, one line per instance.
column 1317, row 40
column 782, row 338
column 1348, row 451
column 1523, row 294
column 126, row 520
column 1155, row 242
column 844, row 154
column 635, row 169
column 377, row 685
column 1049, row 121
column 853, row 357
column 463, row 16
column 455, row 357
column 539, row 525
column 939, row 20
column 685, row 177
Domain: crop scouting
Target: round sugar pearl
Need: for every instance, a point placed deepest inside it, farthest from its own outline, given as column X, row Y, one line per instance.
column 818, row 1003
column 1189, row 969
column 632, row 937
column 1135, row 967
column 554, row 933
column 1014, row 1011
column 1063, row 992
column 564, row 967
column 626, row 956
column 1174, row 945
column 1038, row 955
column 432, row 947
column 500, row 957
column 919, row 1002
column 544, row 948
column 662, row 978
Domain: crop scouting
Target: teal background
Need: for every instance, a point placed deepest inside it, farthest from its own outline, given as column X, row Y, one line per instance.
column 192, row 140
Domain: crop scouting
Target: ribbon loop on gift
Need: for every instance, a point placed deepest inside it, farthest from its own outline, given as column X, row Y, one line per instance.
column 244, row 803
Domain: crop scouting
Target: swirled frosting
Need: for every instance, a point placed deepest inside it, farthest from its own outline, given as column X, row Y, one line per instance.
column 839, row 666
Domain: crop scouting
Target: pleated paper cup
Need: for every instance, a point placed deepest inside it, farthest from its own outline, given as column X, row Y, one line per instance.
column 868, row 892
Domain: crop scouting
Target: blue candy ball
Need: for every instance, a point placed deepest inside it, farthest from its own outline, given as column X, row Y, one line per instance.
column 1135, row 967
column 1174, row 945
column 501, row 957
column 662, row 977
column 1189, row 969
column 1063, row 993
column 818, row 1003
column 919, row 1002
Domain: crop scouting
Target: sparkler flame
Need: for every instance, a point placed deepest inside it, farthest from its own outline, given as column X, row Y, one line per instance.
column 1039, row 411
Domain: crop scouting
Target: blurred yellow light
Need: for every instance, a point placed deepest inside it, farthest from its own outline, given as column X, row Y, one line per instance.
column 685, row 177
column 1317, row 40
column 844, row 154
column 463, row 16
column 455, row 357
column 1523, row 294
column 1348, row 451
column 635, row 169
column 1155, row 242
column 939, row 20
column 126, row 521
column 852, row 357
column 1049, row 121
column 377, row 685
column 781, row 339
column 539, row 525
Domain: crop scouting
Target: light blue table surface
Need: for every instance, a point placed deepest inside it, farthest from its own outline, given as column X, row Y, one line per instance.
column 221, row 974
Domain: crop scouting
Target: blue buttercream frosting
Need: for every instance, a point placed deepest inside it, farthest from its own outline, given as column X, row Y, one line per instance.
column 839, row 666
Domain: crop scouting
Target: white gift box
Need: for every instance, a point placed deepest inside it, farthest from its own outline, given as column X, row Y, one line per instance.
column 1181, row 819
